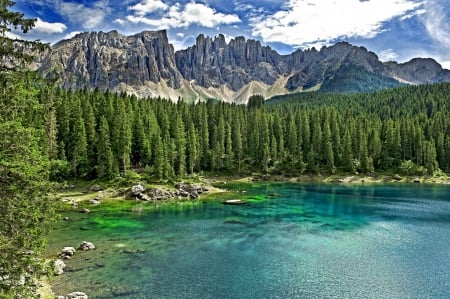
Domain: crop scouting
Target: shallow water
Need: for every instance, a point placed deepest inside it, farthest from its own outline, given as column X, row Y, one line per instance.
column 288, row 241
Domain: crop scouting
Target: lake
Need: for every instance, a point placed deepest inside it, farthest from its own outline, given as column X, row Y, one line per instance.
column 291, row 240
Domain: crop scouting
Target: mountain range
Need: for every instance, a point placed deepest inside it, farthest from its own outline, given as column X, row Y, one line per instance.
column 146, row 64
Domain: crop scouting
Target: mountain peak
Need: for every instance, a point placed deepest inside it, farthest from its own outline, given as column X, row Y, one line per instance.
column 147, row 65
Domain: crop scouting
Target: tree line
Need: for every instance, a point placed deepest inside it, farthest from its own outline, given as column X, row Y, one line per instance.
column 101, row 134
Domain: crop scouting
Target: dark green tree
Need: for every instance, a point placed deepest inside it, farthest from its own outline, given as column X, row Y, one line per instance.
column 25, row 210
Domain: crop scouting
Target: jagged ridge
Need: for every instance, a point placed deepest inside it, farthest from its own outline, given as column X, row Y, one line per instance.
column 147, row 65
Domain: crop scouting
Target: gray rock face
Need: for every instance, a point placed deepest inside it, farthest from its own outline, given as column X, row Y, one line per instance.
column 116, row 62
column 418, row 71
column 213, row 62
column 105, row 60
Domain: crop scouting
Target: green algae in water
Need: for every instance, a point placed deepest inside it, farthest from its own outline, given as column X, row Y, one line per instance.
column 310, row 240
column 113, row 223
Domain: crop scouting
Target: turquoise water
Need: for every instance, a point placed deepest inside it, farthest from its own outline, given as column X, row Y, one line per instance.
column 288, row 241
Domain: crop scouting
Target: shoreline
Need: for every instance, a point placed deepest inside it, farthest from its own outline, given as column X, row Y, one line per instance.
column 346, row 179
column 218, row 184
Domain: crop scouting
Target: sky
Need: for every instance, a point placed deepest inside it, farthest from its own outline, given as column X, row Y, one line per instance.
column 394, row 29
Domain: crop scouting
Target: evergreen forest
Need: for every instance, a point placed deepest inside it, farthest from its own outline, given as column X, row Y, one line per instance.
column 405, row 130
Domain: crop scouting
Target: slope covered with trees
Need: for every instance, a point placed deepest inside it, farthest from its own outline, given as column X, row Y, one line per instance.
column 404, row 130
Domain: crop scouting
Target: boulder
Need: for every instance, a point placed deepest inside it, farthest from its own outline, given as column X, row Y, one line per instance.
column 234, row 202
column 77, row 295
column 85, row 211
column 137, row 189
column 397, row 177
column 86, row 246
column 94, row 202
column 100, row 195
column 67, row 252
column 58, row 267
column 96, row 188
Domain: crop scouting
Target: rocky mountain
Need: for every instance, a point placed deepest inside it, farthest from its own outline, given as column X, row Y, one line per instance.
column 146, row 64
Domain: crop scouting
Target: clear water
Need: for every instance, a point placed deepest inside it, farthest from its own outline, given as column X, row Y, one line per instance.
column 288, row 241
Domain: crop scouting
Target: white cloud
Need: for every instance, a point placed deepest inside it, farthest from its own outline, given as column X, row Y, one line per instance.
column 445, row 64
column 71, row 34
column 88, row 17
column 11, row 35
column 437, row 23
column 148, row 6
column 192, row 13
column 388, row 55
column 307, row 22
column 413, row 14
column 119, row 21
column 46, row 27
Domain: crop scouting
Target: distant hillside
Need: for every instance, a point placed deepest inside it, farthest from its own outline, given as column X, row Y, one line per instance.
column 146, row 65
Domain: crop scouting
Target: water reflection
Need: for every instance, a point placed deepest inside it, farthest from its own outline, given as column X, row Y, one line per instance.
column 288, row 241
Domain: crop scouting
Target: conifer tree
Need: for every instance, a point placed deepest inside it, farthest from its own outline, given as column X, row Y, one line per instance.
column 105, row 155
column 25, row 209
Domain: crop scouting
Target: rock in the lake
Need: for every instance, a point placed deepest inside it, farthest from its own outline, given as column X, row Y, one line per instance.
column 77, row 295
column 67, row 252
column 58, row 267
column 85, row 211
column 234, row 202
column 86, row 246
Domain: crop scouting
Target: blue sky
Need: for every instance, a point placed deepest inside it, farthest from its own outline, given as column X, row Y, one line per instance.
column 394, row 29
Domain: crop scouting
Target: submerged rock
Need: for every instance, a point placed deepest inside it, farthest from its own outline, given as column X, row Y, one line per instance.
column 234, row 202
column 77, row 295
column 67, row 252
column 86, row 246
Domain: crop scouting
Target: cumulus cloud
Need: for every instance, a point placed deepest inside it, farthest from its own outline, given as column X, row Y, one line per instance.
column 148, row 6
column 88, row 17
column 184, row 16
column 319, row 22
column 46, row 27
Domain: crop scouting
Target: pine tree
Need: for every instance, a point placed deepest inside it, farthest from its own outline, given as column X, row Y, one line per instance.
column 347, row 153
column 237, row 142
column 25, row 209
column 192, row 148
column 105, row 155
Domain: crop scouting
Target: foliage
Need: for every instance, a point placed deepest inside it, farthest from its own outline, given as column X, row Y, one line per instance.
column 357, row 79
column 25, row 209
column 316, row 133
